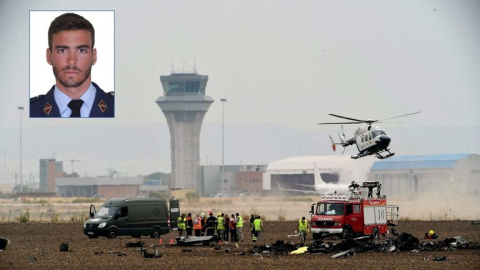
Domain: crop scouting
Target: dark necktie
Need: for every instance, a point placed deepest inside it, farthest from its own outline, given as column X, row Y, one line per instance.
column 75, row 105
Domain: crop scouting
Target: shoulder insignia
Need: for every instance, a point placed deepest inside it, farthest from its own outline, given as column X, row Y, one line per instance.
column 112, row 94
column 35, row 98
column 47, row 108
column 102, row 106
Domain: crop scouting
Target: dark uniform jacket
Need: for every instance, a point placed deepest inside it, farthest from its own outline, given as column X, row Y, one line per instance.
column 45, row 105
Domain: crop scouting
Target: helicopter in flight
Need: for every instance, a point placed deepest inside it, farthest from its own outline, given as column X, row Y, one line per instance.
column 370, row 139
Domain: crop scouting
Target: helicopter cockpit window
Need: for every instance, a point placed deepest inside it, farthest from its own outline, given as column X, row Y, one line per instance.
column 377, row 133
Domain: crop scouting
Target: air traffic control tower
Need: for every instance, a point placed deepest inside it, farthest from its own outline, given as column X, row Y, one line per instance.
column 184, row 104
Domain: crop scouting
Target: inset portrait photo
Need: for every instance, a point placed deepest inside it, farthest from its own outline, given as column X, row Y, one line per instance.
column 72, row 63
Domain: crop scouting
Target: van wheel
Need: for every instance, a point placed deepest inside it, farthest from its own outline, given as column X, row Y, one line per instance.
column 375, row 233
column 156, row 233
column 346, row 233
column 112, row 233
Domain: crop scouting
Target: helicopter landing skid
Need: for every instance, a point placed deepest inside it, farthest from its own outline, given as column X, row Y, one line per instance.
column 379, row 156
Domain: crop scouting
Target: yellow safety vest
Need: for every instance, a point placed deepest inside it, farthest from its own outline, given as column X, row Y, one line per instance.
column 220, row 225
column 257, row 225
column 181, row 223
column 240, row 222
column 302, row 226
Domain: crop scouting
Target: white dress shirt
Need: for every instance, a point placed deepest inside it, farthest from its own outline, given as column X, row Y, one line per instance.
column 62, row 101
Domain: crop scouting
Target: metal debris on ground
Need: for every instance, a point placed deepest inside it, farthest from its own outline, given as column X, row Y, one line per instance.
column 344, row 254
column 440, row 258
column 156, row 253
column 192, row 240
column 258, row 255
column 117, row 253
column 348, row 247
column 134, row 244
column 4, row 242
column 64, row 247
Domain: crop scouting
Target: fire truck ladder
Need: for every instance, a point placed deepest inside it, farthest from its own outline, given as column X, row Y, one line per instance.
column 392, row 215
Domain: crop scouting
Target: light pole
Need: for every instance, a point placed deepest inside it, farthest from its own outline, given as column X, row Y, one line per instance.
column 20, row 108
column 223, row 100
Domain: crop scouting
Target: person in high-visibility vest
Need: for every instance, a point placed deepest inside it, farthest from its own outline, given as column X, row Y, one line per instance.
column 239, row 227
column 257, row 229
column 302, row 229
column 220, row 226
column 197, row 225
column 181, row 225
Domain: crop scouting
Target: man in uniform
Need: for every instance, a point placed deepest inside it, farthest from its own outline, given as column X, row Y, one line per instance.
column 211, row 224
column 71, row 53
column 302, row 229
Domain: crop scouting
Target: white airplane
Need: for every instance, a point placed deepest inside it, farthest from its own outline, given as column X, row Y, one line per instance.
column 321, row 188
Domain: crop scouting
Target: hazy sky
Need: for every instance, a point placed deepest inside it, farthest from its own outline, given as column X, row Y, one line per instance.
column 284, row 62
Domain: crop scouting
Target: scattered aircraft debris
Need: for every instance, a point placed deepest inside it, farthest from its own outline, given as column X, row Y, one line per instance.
column 4, row 242
column 192, row 240
column 135, row 244
column 349, row 247
column 64, row 247
column 156, row 253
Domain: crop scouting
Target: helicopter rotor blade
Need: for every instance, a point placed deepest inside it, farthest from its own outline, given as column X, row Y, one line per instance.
column 348, row 118
column 339, row 123
column 399, row 116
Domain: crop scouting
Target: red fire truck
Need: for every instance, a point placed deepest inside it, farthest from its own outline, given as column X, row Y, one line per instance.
column 354, row 213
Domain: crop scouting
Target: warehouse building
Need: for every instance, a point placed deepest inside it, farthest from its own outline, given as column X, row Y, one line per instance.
column 409, row 176
column 107, row 187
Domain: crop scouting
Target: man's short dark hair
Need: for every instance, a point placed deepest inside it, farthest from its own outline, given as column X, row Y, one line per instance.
column 69, row 21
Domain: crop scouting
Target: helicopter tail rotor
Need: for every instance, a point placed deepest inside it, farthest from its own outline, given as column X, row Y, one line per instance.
column 334, row 145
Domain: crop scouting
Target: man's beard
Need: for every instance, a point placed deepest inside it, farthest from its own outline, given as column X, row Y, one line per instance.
column 70, row 82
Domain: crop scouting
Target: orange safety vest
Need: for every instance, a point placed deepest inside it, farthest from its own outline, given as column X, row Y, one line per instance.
column 198, row 224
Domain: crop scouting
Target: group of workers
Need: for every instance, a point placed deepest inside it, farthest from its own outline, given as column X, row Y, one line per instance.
column 226, row 227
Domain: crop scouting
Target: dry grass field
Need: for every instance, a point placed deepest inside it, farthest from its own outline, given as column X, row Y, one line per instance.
column 35, row 241
column 36, row 245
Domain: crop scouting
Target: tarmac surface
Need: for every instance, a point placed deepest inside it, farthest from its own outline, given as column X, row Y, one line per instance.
column 37, row 246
